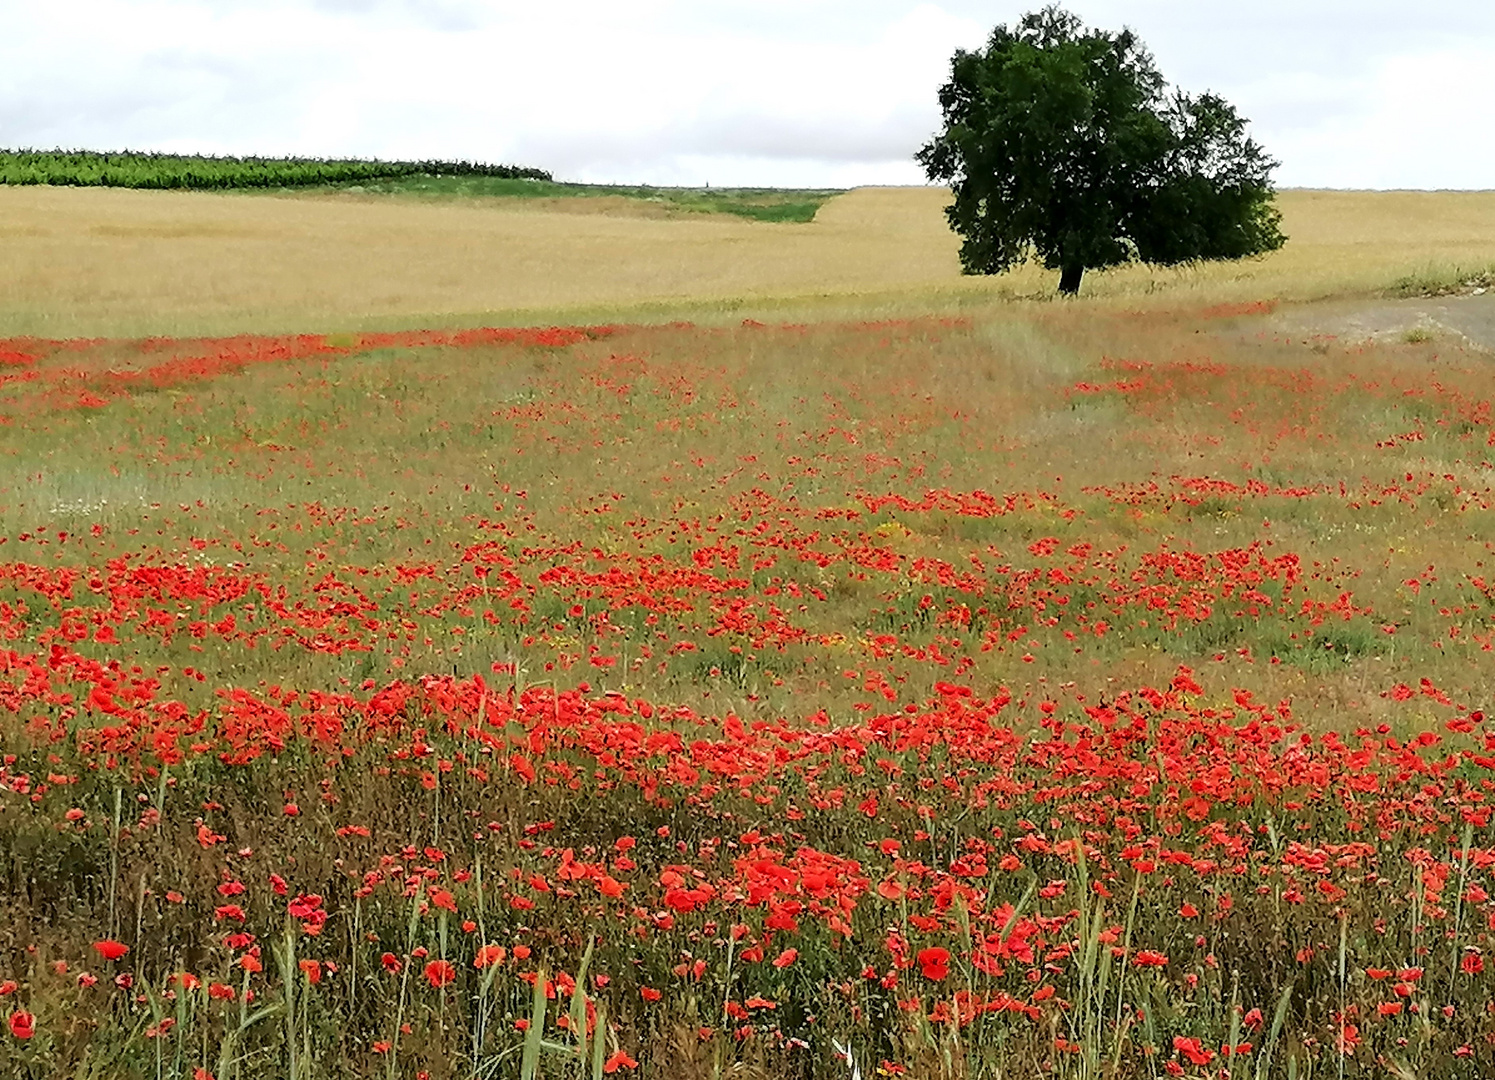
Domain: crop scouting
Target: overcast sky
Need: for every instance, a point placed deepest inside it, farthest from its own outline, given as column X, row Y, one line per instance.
column 835, row 93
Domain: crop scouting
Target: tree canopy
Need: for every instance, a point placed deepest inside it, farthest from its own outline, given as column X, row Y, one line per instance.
column 1065, row 143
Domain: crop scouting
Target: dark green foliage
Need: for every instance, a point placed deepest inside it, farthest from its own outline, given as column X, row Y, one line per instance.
column 1065, row 143
column 87, row 168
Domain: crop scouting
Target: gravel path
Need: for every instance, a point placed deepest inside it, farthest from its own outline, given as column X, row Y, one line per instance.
column 1469, row 317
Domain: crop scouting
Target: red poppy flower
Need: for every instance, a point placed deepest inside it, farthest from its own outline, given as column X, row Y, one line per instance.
column 439, row 973
column 785, row 958
column 619, row 1060
column 303, row 906
column 935, row 963
column 22, row 1024
column 1193, row 1049
column 110, row 950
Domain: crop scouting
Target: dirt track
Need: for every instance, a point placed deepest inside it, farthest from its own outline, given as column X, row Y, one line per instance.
column 1471, row 318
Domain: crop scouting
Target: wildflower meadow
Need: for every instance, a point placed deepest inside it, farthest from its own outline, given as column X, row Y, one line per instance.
column 1056, row 690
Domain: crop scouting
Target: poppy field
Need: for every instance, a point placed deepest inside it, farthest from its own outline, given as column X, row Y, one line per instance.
column 1051, row 691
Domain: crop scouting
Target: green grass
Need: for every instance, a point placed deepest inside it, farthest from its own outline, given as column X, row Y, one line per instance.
column 1444, row 280
column 758, row 204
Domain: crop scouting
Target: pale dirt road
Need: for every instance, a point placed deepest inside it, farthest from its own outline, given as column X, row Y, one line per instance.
column 1469, row 318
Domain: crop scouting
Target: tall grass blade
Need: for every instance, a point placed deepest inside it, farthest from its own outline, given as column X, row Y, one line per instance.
column 578, row 1015
column 1279, row 1018
column 529, row 1061
column 599, row 1044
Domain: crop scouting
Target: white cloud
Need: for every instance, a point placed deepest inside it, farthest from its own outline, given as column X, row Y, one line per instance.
column 814, row 92
column 1429, row 124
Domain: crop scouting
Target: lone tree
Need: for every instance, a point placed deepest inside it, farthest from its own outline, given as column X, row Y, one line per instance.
column 1065, row 142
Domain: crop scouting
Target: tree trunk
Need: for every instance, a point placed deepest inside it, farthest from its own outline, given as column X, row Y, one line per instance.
column 1069, row 279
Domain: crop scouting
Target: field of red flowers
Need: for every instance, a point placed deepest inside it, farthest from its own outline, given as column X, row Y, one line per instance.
column 1064, row 693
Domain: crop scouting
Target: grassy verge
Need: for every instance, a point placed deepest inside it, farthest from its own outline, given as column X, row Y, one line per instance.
column 1444, row 280
column 757, row 204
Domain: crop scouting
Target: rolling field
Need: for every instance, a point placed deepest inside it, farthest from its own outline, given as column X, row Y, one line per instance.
column 118, row 262
column 991, row 687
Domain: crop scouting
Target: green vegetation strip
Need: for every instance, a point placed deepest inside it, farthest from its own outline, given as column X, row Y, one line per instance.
column 426, row 179
column 1444, row 280
column 759, row 204
column 86, row 168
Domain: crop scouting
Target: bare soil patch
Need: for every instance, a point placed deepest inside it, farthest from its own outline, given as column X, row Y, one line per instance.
column 1470, row 319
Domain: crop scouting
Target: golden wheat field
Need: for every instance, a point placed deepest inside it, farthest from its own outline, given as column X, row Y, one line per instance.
column 85, row 261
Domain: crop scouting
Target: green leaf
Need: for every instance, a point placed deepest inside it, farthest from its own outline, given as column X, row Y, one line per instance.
column 1061, row 143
